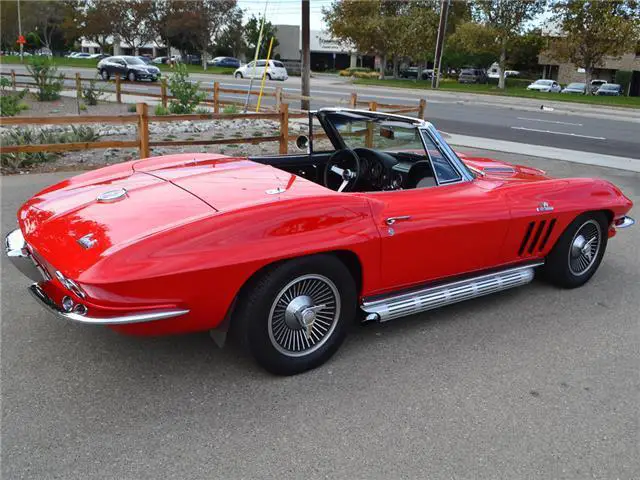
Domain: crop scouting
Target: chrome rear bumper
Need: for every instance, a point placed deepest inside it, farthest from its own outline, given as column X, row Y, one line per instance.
column 624, row 222
column 16, row 250
column 49, row 305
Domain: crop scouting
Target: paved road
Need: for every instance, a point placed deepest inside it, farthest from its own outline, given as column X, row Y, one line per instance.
column 535, row 383
column 568, row 126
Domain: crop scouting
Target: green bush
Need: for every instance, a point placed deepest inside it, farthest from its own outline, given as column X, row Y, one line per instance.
column 202, row 111
column 160, row 110
column 187, row 94
column 623, row 78
column 45, row 74
column 230, row 109
column 12, row 162
column 92, row 93
column 10, row 102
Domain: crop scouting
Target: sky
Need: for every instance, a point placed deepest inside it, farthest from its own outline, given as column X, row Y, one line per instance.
column 286, row 12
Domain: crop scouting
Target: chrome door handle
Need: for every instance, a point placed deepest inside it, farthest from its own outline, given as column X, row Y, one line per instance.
column 392, row 220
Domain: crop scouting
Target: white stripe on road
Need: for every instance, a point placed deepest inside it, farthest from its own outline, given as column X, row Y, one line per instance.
column 574, row 156
column 549, row 121
column 558, row 133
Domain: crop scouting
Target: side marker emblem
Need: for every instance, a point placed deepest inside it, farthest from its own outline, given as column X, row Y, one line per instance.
column 544, row 207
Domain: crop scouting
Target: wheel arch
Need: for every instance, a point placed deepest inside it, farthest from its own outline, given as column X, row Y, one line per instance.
column 607, row 213
column 350, row 259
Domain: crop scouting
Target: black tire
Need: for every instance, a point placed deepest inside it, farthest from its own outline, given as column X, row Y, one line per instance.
column 262, row 328
column 269, row 76
column 238, row 75
column 104, row 74
column 570, row 266
column 131, row 76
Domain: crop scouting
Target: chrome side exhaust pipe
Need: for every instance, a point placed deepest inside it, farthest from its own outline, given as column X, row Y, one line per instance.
column 400, row 305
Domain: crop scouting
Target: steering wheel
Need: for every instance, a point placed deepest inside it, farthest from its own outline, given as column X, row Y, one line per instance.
column 342, row 171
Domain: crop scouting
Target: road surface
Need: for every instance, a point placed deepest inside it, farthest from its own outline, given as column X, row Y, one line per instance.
column 534, row 383
column 568, row 126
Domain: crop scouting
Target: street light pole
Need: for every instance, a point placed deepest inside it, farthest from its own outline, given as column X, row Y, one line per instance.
column 20, row 34
column 306, row 57
column 442, row 28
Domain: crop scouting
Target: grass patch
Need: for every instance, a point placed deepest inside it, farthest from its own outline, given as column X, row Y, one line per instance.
column 513, row 91
column 92, row 63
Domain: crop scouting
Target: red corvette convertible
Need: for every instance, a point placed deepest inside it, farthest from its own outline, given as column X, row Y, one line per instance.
column 380, row 220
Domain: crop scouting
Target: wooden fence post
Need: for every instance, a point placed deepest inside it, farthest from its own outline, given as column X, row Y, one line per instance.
column 284, row 128
column 13, row 79
column 373, row 106
column 143, row 129
column 368, row 138
column 422, row 108
column 78, row 86
column 118, row 95
column 216, row 97
column 278, row 97
column 163, row 92
column 354, row 100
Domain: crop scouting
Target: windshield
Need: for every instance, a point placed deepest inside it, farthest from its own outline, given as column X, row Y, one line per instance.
column 386, row 135
column 543, row 82
column 610, row 86
column 576, row 85
column 133, row 61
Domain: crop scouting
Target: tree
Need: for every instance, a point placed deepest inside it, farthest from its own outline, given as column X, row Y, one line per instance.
column 593, row 30
column 98, row 22
column 524, row 50
column 472, row 44
column 132, row 22
column 506, row 18
column 232, row 39
column 252, row 33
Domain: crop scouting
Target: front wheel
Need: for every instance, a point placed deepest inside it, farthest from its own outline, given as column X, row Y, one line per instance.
column 578, row 252
column 238, row 75
column 131, row 77
column 104, row 74
column 295, row 316
column 268, row 76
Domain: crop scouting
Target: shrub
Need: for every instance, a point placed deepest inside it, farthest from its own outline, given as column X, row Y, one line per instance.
column 230, row 109
column 623, row 78
column 83, row 107
column 187, row 94
column 160, row 110
column 10, row 102
column 92, row 93
column 202, row 110
column 45, row 74
column 12, row 162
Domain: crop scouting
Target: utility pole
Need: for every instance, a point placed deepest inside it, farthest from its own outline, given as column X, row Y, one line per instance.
column 20, row 34
column 442, row 28
column 306, row 57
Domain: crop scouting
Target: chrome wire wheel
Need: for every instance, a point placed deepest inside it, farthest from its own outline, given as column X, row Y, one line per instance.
column 585, row 247
column 304, row 315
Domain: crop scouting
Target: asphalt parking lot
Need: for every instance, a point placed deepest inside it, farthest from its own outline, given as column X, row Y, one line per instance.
column 532, row 383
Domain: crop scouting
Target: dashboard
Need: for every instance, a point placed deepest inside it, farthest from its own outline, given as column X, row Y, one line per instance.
column 385, row 171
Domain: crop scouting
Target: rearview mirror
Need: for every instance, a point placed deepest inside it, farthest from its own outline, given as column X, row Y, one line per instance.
column 302, row 142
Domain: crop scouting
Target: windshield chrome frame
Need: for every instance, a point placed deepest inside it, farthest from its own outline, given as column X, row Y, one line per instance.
column 447, row 152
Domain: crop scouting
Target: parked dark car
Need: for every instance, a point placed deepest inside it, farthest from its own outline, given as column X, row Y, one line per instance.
column 575, row 87
column 131, row 68
column 229, row 62
column 611, row 89
column 473, row 75
column 146, row 60
column 412, row 72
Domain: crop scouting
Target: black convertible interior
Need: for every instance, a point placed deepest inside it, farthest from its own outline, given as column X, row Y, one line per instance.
column 370, row 153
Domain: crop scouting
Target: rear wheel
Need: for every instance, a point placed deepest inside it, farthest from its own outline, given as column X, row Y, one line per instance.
column 268, row 76
column 295, row 316
column 104, row 74
column 578, row 252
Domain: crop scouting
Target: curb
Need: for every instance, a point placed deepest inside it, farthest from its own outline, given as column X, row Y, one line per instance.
column 573, row 156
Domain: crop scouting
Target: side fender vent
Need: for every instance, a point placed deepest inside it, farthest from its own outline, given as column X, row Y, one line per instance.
column 536, row 236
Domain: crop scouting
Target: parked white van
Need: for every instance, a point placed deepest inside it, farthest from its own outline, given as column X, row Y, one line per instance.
column 275, row 70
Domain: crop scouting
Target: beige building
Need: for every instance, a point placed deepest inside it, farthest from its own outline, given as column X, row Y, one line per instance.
column 568, row 72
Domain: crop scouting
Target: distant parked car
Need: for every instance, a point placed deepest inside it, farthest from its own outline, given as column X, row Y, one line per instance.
column 544, row 85
column 275, row 71
column 611, row 89
column 594, row 85
column 473, row 75
column 97, row 56
column 131, row 68
column 575, row 87
column 146, row 60
column 229, row 62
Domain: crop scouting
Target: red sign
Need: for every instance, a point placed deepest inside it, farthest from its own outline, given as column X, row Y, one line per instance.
column 21, row 40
